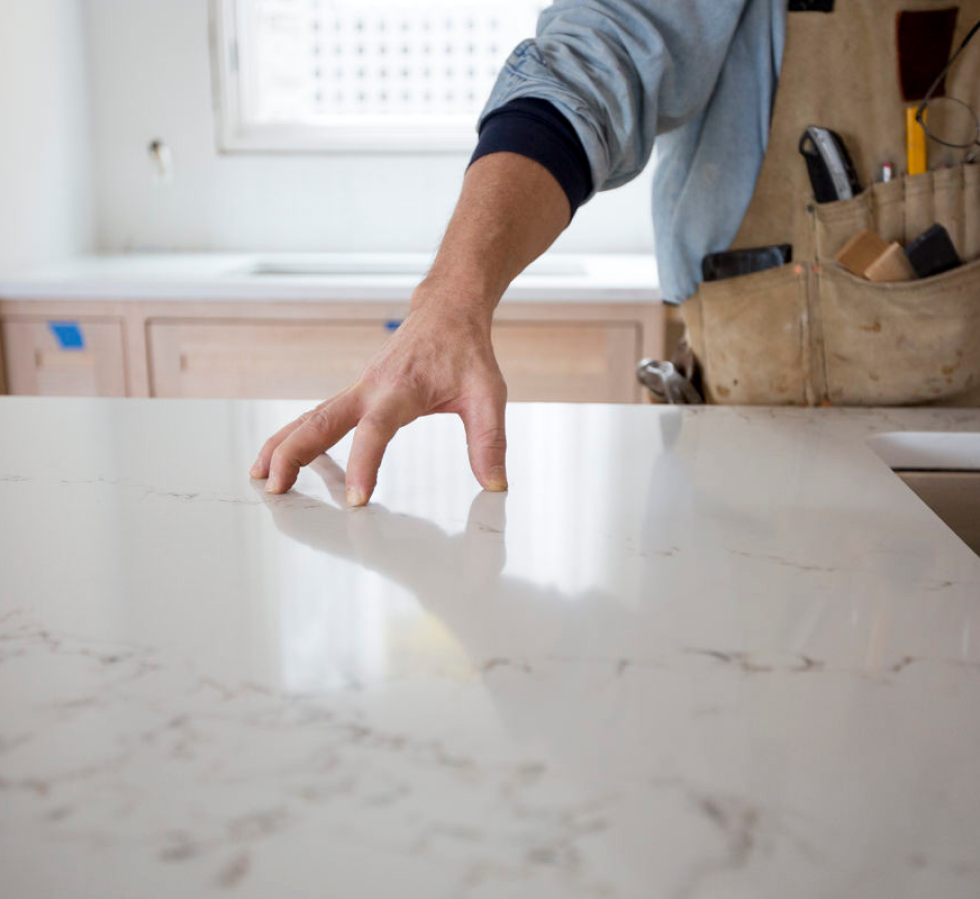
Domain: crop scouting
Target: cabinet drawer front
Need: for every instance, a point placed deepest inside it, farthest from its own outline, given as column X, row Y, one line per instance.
column 53, row 358
column 285, row 360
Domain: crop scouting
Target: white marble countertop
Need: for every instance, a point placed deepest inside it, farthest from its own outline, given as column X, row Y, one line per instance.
column 698, row 653
column 387, row 277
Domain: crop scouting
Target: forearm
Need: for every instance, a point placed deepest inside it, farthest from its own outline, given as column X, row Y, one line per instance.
column 510, row 211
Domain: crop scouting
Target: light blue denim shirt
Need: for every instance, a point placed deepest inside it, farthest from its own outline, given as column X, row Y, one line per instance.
column 695, row 78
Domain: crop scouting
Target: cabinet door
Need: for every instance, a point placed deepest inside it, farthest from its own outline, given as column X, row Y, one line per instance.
column 64, row 358
column 589, row 362
column 275, row 360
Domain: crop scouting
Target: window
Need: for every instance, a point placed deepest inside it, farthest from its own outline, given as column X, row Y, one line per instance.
column 360, row 74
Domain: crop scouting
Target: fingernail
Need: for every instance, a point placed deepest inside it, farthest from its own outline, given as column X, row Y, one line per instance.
column 256, row 470
column 273, row 485
column 497, row 482
column 356, row 497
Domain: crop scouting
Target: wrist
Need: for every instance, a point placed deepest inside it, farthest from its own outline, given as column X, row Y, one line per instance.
column 456, row 297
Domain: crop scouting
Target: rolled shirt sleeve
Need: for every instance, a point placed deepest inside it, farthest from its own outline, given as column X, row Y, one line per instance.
column 623, row 72
column 535, row 129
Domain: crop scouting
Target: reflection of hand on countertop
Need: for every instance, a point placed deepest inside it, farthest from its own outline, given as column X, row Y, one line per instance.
column 537, row 648
column 459, row 578
column 408, row 550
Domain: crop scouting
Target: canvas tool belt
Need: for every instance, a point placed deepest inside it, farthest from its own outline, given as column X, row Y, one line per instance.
column 811, row 333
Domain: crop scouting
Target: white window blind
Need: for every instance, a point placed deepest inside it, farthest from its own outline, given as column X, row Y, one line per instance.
column 381, row 74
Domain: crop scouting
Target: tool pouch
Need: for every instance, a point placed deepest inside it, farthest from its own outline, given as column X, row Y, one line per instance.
column 814, row 333
column 749, row 335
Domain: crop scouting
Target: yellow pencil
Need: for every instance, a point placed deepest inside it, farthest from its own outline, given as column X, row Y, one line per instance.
column 916, row 142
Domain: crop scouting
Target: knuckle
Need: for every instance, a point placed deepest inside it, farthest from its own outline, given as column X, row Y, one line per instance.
column 372, row 375
column 489, row 387
column 492, row 439
column 282, row 457
column 377, row 424
column 405, row 385
column 386, row 377
column 498, row 392
column 320, row 420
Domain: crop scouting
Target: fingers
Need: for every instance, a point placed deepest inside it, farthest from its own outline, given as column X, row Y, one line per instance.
column 371, row 439
column 320, row 430
column 260, row 468
column 486, row 439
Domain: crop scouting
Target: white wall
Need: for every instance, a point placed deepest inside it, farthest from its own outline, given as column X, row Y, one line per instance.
column 45, row 171
column 150, row 77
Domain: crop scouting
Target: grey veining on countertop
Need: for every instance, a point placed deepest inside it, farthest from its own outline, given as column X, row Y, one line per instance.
column 698, row 653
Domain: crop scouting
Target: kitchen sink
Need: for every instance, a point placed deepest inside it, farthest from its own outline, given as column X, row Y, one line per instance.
column 944, row 471
column 354, row 268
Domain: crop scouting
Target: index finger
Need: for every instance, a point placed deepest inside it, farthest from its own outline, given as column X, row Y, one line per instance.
column 327, row 424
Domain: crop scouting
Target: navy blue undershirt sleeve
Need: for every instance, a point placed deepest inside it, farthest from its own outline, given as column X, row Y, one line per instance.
column 536, row 129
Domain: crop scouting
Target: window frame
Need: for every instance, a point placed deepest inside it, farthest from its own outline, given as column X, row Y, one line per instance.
column 234, row 135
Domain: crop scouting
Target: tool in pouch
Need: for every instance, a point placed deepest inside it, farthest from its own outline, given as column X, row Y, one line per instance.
column 829, row 165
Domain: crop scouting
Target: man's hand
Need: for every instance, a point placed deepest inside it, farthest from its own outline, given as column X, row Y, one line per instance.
column 435, row 362
column 440, row 359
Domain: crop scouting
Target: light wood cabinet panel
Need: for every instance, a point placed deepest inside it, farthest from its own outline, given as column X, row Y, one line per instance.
column 38, row 364
column 295, row 360
column 545, row 361
column 568, row 362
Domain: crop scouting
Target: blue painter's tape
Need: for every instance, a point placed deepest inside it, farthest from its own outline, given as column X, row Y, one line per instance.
column 68, row 335
column 393, row 324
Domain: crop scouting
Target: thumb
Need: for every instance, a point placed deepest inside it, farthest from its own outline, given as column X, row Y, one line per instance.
column 486, row 439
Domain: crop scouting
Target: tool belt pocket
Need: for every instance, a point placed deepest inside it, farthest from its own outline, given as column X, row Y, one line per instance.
column 904, row 342
column 837, row 222
column 899, row 343
column 903, row 209
column 726, row 320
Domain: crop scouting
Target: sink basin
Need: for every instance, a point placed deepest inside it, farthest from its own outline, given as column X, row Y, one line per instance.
column 355, row 268
column 924, row 451
column 944, row 472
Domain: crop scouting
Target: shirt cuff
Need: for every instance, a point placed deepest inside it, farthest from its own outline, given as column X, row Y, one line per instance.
column 535, row 128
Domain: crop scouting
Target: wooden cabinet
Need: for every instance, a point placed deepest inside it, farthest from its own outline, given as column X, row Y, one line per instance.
column 541, row 361
column 298, row 360
column 581, row 362
column 79, row 357
column 548, row 351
